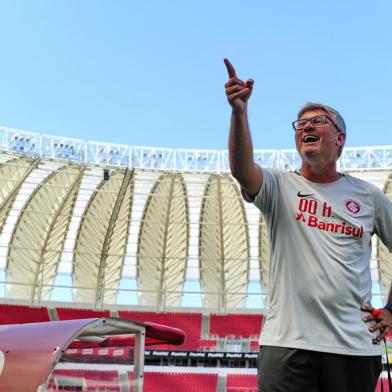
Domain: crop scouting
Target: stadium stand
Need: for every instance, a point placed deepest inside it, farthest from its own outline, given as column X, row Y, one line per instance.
column 75, row 313
column 207, row 345
column 189, row 345
column 236, row 325
column 254, row 346
column 190, row 323
column 108, row 380
column 16, row 314
column 179, row 382
column 241, row 383
column 140, row 316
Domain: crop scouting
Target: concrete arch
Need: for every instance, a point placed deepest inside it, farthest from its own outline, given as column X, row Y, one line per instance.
column 163, row 242
column 223, row 244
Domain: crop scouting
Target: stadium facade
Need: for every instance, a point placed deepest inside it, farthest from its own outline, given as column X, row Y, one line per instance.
column 104, row 225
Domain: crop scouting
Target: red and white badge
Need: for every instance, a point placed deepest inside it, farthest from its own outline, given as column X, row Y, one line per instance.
column 352, row 206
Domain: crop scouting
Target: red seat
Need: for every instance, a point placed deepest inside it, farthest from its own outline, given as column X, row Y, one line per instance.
column 75, row 313
column 16, row 314
column 254, row 346
column 241, row 383
column 243, row 325
column 206, row 343
column 190, row 323
column 141, row 317
column 389, row 335
column 178, row 382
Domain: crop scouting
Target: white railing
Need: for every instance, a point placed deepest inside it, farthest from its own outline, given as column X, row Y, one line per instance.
column 189, row 160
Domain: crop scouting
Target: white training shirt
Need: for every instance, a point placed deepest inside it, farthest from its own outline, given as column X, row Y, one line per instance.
column 320, row 238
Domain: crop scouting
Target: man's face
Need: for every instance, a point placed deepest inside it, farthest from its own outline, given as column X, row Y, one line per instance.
column 321, row 141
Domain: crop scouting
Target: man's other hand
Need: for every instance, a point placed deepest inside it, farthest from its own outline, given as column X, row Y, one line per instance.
column 383, row 318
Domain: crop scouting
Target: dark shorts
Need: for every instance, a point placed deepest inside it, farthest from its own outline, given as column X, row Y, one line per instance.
column 292, row 370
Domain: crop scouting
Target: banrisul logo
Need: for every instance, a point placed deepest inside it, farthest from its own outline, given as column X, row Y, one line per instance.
column 318, row 216
column 353, row 207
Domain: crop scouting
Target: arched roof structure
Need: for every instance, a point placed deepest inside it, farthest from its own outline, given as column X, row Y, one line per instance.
column 264, row 254
column 39, row 233
column 102, row 239
column 163, row 243
column 103, row 216
column 223, row 244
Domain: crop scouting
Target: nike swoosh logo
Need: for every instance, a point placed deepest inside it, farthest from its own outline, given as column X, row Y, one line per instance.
column 299, row 194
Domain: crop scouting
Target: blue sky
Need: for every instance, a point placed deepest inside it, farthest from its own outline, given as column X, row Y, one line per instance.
column 151, row 73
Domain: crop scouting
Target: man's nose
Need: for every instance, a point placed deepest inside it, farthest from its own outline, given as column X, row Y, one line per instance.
column 308, row 126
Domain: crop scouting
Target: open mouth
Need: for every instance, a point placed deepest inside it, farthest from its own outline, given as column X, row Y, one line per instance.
column 310, row 139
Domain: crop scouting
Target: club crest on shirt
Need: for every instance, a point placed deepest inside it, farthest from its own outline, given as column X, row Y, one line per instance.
column 352, row 206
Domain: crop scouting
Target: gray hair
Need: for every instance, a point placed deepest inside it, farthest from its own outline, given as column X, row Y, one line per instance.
column 333, row 113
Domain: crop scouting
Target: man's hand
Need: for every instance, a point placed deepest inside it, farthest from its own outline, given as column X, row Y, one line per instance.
column 237, row 91
column 383, row 317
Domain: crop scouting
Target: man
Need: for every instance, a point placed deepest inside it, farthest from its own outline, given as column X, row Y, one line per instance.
column 321, row 333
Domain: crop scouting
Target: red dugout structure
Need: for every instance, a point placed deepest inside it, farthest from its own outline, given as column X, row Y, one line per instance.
column 30, row 353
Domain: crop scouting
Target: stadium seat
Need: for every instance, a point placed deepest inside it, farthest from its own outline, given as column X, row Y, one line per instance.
column 244, row 325
column 254, row 346
column 16, row 314
column 190, row 323
column 241, row 383
column 75, row 313
column 141, row 317
column 178, row 382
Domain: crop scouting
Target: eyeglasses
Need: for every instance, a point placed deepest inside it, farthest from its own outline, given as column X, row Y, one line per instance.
column 316, row 121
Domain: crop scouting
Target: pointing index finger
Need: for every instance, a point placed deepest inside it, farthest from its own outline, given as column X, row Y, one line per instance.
column 230, row 69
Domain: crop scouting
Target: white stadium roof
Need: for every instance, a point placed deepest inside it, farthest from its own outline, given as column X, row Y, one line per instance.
column 104, row 225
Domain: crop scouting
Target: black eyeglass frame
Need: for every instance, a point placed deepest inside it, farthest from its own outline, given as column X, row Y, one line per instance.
column 315, row 125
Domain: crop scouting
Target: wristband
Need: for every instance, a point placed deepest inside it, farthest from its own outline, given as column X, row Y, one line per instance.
column 388, row 306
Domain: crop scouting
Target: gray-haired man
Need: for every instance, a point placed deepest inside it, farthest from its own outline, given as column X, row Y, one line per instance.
column 319, row 334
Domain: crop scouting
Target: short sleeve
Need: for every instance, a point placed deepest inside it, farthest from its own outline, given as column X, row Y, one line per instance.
column 265, row 200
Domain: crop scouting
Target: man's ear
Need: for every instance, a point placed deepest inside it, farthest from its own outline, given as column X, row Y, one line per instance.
column 341, row 138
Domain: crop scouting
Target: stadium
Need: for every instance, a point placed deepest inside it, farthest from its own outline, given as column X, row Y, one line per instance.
column 94, row 230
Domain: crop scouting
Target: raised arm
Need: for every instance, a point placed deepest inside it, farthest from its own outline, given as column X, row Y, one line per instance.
column 242, row 166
